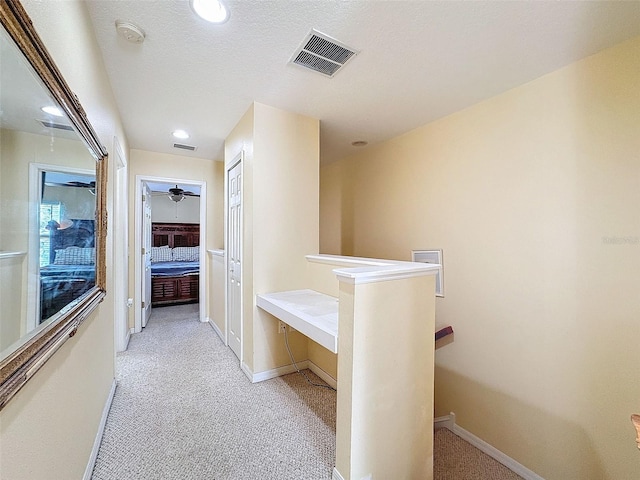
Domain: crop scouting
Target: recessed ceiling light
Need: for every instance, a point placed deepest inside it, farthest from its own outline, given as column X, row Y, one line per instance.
column 360, row 143
column 212, row 11
column 180, row 134
column 52, row 110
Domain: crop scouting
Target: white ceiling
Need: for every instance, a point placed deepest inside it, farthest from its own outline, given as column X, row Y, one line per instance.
column 418, row 61
column 23, row 95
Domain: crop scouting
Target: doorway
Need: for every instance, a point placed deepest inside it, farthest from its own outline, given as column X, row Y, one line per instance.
column 147, row 188
column 234, row 244
column 121, row 249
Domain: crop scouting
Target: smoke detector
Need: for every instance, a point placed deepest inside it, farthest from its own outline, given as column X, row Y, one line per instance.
column 130, row 32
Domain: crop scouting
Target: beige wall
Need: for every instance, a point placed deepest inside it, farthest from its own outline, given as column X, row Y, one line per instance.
column 18, row 150
column 47, row 430
column 533, row 195
column 153, row 164
column 280, row 215
column 12, row 284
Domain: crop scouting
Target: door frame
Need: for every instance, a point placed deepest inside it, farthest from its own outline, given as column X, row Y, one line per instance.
column 237, row 159
column 122, row 331
column 137, row 261
column 146, row 240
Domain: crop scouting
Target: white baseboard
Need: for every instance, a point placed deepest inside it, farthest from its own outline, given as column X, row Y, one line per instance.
column 336, row 475
column 278, row 372
column 98, row 440
column 328, row 379
column 447, row 421
column 493, row 452
column 126, row 340
column 216, row 329
column 286, row 370
column 247, row 371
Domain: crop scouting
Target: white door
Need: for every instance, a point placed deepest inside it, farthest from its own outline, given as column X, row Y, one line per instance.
column 146, row 254
column 234, row 258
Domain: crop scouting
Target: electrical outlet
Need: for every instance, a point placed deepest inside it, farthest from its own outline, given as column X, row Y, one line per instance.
column 282, row 327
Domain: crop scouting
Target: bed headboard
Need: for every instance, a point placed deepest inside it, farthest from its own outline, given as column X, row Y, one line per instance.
column 79, row 233
column 175, row 234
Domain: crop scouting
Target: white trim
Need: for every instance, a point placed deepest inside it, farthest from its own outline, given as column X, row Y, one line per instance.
column 286, row 370
column 216, row 328
column 336, row 475
column 202, row 279
column 446, row 421
column 137, row 245
column 127, row 338
column 496, row 454
column 12, row 254
column 278, row 372
column 98, row 440
column 398, row 271
column 359, row 270
column 121, row 248
column 274, row 372
column 346, row 261
column 140, row 179
column 328, row 379
column 216, row 252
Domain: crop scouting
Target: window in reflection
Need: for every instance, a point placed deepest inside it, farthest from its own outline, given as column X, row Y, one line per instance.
column 50, row 216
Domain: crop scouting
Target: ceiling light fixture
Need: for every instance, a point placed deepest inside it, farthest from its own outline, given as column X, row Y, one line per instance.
column 52, row 110
column 181, row 134
column 213, row 11
column 176, row 194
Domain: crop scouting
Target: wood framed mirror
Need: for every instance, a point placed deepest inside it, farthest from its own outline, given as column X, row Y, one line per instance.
column 53, row 172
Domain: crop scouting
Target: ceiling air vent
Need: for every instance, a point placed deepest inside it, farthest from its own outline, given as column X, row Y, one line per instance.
column 59, row 126
column 182, row 146
column 322, row 54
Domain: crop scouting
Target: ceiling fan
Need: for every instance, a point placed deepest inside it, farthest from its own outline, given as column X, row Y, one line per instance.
column 89, row 185
column 176, row 194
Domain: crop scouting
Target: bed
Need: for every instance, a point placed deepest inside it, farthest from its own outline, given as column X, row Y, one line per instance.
column 71, row 271
column 175, row 263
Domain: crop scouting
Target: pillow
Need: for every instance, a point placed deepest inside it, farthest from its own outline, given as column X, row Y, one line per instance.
column 75, row 256
column 186, row 254
column 161, row 254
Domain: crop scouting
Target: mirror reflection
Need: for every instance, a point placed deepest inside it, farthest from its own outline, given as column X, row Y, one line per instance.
column 66, row 239
column 47, row 205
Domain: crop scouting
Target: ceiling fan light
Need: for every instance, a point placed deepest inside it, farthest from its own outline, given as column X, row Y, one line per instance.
column 213, row 11
column 176, row 194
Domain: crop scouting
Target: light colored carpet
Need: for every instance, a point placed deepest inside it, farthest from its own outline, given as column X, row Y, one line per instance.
column 456, row 459
column 184, row 410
